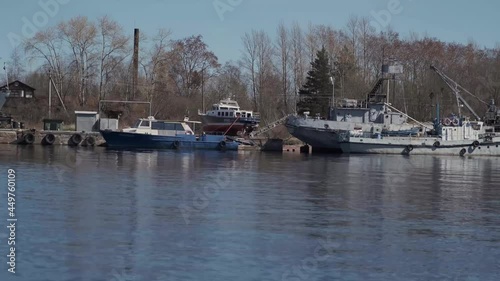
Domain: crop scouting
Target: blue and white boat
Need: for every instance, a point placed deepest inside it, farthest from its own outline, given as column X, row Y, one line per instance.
column 152, row 133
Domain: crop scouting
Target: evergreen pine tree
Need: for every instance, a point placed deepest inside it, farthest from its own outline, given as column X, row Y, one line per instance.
column 317, row 90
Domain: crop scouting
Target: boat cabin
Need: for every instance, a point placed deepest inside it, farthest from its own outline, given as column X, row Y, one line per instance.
column 468, row 130
column 355, row 111
column 229, row 108
column 151, row 126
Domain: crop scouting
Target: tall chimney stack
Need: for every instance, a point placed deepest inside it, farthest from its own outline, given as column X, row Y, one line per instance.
column 135, row 78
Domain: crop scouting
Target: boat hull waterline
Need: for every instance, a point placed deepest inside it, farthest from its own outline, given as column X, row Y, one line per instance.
column 421, row 147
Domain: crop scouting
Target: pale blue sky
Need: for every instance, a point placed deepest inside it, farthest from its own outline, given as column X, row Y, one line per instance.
column 448, row 20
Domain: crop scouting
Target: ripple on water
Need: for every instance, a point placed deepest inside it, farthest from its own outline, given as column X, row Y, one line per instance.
column 116, row 214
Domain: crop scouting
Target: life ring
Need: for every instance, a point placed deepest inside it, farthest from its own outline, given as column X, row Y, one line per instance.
column 437, row 144
column 456, row 122
column 409, row 148
column 475, row 144
column 462, row 152
column 49, row 139
column 447, row 122
column 176, row 144
column 28, row 138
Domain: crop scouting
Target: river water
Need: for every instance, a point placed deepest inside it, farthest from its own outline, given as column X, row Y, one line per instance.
column 98, row 214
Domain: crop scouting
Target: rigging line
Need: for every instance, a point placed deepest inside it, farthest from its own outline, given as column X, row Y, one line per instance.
column 471, row 94
column 404, row 97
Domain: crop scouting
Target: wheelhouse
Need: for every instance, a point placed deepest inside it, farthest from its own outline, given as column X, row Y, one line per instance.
column 229, row 108
column 159, row 127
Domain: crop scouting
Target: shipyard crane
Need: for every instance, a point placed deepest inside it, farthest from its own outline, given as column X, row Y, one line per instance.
column 456, row 88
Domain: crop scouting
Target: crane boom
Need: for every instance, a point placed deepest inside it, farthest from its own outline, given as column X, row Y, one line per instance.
column 456, row 88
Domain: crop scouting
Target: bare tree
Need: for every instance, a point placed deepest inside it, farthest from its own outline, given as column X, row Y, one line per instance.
column 16, row 65
column 283, row 51
column 249, row 62
column 298, row 61
column 352, row 28
column 155, row 67
column 47, row 46
column 365, row 31
column 264, row 65
column 312, row 42
column 257, row 59
column 114, row 46
column 229, row 83
column 81, row 34
column 193, row 58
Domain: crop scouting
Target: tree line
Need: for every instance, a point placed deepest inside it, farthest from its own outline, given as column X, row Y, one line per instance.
column 92, row 60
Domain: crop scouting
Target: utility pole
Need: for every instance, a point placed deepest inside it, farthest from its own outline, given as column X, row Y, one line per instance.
column 332, row 79
column 202, row 92
column 50, row 95
column 6, row 76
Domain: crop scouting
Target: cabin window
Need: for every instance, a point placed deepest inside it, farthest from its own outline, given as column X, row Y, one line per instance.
column 136, row 125
column 145, row 124
column 157, row 126
column 223, row 108
column 169, row 126
column 166, row 126
column 218, row 113
column 227, row 114
column 249, row 115
column 231, row 114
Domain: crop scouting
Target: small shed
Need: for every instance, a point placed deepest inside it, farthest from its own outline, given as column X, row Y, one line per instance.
column 52, row 124
column 86, row 121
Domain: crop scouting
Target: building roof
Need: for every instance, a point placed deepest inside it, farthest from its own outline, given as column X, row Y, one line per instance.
column 86, row 112
column 17, row 85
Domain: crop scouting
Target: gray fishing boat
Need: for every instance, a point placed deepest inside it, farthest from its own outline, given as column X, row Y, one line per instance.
column 453, row 135
column 374, row 114
column 464, row 138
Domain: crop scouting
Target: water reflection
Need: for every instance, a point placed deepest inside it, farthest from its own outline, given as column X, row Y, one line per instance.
column 113, row 212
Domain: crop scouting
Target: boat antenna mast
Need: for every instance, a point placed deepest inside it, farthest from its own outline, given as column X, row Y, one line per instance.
column 456, row 89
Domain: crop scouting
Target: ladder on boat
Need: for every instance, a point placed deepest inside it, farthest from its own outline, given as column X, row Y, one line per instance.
column 269, row 126
column 374, row 96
